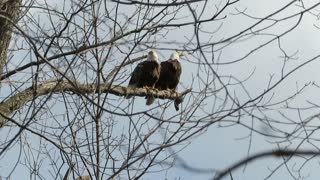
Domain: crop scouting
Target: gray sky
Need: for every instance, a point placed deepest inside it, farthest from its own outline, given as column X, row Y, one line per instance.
column 219, row 147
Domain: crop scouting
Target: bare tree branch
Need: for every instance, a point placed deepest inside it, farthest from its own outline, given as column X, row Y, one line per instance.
column 63, row 66
column 18, row 100
column 277, row 154
column 174, row 3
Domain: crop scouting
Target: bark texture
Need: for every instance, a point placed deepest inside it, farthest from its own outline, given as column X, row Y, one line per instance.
column 10, row 9
column 16, row 101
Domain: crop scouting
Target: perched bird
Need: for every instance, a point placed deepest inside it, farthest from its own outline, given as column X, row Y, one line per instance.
column 146, row 74
column 170, row 74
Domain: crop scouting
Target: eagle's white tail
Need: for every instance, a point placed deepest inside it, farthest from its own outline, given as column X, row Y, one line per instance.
column 150, row 100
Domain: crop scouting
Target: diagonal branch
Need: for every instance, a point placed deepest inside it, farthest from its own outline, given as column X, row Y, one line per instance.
column 276, row 153
column 120, row 66
column 20, row 99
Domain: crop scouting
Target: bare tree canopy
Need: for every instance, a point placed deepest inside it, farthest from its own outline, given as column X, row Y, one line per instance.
column 246, row 95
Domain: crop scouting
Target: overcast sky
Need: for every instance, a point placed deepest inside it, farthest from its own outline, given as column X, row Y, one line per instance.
column 219, row 147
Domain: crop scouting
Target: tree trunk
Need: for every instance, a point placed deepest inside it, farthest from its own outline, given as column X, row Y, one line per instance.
column 10, row 9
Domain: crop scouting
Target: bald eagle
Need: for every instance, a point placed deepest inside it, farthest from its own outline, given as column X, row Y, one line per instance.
column 170, row 74
column 146, row 74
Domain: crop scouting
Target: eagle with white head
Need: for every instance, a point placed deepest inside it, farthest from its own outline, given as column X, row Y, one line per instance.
column 146, row 74
column 170, row 74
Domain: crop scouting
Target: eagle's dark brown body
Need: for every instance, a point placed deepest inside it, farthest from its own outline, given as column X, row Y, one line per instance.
column 169, row 75
column 146, row 73
column 164, row 76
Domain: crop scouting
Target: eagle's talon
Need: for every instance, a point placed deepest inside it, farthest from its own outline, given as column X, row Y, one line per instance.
column 155, row 89
column 164, row 76
column 172, row 91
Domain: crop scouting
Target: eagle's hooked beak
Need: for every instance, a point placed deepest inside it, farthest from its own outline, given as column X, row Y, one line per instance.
column 180, row 54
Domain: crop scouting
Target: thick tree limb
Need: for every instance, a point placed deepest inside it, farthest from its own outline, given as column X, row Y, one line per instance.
column 20, row 99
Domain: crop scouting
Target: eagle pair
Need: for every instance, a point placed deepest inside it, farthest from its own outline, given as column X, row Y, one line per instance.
column 150, row 73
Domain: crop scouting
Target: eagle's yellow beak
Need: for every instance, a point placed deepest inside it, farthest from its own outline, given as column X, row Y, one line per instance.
column 180, row 53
